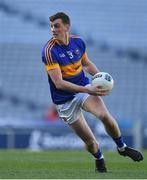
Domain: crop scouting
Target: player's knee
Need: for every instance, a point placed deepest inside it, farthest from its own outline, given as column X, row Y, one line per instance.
column 104, row 117
column 92, row 146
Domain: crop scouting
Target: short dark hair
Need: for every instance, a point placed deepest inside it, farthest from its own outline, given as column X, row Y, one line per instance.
column 60, row 15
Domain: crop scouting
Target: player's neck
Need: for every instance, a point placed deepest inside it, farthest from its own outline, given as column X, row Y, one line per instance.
column 64, row 40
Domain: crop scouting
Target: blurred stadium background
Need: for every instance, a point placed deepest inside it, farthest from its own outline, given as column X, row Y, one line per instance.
column 116, row 36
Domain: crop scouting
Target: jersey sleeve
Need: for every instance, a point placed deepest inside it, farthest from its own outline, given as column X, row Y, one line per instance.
column 83, row 45
column 85, row 56
column 49, row 58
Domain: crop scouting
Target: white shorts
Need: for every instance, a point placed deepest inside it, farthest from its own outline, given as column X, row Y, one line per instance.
column 71, row 110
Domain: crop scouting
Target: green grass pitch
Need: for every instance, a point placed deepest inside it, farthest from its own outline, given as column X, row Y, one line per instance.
column 20, row 164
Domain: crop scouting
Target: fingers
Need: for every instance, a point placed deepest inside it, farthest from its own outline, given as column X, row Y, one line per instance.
column 100, row 88
column 97, row 91
column 101, row 92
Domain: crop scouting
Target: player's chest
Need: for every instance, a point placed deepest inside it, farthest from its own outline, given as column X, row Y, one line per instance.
column 68, row 55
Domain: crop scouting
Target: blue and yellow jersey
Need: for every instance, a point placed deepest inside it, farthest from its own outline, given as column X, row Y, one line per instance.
column 69, row 59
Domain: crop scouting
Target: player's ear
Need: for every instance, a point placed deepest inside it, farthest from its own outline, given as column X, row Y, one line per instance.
column 67, row 27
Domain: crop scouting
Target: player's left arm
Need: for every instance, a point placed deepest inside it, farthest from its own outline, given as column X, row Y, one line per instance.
column 88, row 66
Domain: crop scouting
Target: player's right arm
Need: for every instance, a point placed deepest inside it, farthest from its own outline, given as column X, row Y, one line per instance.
column 56, row 76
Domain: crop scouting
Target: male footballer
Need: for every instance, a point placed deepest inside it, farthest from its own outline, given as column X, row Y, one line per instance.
column 66, row 62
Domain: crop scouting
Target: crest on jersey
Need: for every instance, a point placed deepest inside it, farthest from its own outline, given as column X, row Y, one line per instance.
column 77, row 52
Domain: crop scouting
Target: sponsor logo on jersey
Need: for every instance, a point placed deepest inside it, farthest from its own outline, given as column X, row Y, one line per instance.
column 62, row 55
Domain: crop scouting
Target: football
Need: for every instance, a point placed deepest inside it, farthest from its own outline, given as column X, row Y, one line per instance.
column 104, row 80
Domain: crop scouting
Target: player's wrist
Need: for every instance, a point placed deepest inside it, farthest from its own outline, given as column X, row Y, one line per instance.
column 86, row 89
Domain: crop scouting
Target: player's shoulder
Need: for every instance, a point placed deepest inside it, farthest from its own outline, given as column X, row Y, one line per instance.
column 50, row 44
column 77, row 39
column 49, row 47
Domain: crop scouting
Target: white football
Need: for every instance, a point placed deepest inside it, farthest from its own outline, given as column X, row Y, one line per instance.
column 104, row 80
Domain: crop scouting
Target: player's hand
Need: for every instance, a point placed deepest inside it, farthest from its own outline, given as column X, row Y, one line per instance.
column 96, row 91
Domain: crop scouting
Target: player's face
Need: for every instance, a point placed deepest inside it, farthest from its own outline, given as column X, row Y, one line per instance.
column 59, row 29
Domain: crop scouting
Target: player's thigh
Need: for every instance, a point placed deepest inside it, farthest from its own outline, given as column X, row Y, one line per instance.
column 96, row 106
column 82, row 129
